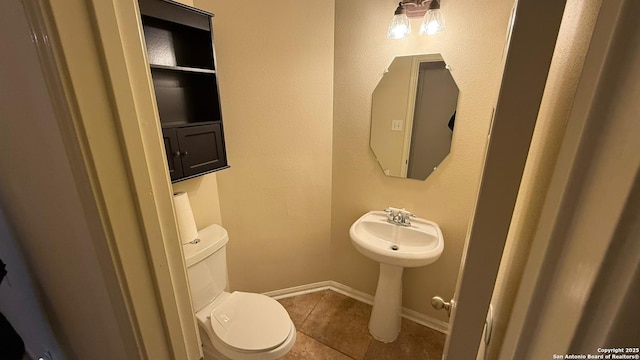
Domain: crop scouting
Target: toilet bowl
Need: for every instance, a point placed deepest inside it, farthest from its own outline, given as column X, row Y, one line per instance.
column 237, row 325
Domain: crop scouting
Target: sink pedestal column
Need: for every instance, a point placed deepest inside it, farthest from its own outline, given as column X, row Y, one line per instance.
column 385, row 321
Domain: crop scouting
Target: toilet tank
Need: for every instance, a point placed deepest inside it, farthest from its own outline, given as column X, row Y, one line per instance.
column 207, row 265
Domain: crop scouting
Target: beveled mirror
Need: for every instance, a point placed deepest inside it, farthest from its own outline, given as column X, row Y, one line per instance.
column 413, row 116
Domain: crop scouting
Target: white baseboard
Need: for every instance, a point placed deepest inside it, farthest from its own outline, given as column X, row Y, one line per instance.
column 412, row 315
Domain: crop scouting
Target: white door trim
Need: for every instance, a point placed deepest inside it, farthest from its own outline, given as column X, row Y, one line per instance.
column 126, row 67
column 106, row 113
column 586, row 204
column 526, row 66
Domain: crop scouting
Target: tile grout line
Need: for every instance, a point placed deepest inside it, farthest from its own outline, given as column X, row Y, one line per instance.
column 339, row 351
column 368, row 347
column 320, row 341
column 411, row 315
column 307, row 316
column 309, row 313
column 371, row 340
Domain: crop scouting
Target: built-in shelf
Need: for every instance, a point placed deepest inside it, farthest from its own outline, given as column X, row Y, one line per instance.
column 182, row 68
column 166, row 125
column 180, row 50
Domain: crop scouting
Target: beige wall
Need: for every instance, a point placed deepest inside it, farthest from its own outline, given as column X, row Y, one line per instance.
column 276, row 83
column 566, row 66
column 203, row 196
column 472, row 44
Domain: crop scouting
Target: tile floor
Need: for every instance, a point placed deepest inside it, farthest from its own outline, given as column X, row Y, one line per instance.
column 332, row 326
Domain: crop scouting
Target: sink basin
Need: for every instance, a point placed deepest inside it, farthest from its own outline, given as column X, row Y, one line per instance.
column 394, row 247
column 417, row 245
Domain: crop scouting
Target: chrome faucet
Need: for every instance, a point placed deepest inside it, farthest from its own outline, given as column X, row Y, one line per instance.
column 397, row 216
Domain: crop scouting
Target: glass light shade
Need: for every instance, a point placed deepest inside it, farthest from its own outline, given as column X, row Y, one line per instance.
column 399, row 27
column 433, row 22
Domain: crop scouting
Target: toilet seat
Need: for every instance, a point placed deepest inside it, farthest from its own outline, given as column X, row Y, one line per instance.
column 246, row 322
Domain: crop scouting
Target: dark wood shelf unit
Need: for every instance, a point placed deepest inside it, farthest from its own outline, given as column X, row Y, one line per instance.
column 186, row 97
column 181, row 54
column 194, row 150
column 182, row 69
column 182, row 125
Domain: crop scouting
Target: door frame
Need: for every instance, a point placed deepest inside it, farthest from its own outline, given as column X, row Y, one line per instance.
column 411, row 106
column 526, row 66
column 595, row 180
column 102, row 91
column 578, row 272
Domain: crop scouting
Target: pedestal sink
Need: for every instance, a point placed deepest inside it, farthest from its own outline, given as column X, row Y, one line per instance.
column 394, row 247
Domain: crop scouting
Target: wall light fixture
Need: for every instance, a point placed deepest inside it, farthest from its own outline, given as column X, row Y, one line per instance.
column 429, row 10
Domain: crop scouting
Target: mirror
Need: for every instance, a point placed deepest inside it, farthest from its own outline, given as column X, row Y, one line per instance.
column 413, row 115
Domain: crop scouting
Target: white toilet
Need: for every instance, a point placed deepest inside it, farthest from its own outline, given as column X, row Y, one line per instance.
column 234, row 325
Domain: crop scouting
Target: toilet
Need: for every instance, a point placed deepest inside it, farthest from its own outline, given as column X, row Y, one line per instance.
column 235, row 325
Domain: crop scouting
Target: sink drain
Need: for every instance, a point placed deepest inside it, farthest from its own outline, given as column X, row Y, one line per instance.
column 394, row 247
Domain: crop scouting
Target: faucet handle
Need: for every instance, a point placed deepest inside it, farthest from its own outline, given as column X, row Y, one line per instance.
column 407, row 214
column 390, row 213
column 405, row 217
column 394, row 210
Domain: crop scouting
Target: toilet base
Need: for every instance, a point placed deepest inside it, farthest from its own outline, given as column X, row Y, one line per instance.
column 212, row 354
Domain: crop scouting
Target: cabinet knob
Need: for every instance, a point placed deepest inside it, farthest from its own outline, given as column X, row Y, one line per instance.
column 177, row 153
column 185, row 153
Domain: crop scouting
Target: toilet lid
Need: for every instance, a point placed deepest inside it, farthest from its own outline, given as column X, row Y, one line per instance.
column 251, row 322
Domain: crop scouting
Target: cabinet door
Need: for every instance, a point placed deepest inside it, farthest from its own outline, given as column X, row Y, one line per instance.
column 202, row 149
column 172, row 150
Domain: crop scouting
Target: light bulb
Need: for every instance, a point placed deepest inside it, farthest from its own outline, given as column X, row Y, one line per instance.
column 399, row 27
column 433, row 21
